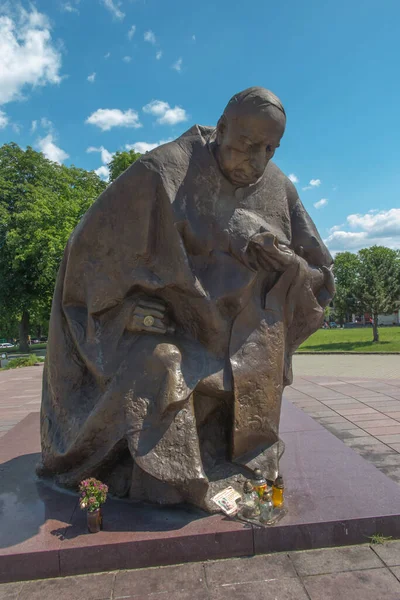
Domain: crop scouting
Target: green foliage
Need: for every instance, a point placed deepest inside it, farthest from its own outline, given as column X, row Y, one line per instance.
column 379, row 538
column 368, row 282
column 378, row 282
column 345, row 301
column 40, row 204
column 23, row 361
column 121, row 161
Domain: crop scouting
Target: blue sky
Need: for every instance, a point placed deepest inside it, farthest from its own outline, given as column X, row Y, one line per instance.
column 79, row 75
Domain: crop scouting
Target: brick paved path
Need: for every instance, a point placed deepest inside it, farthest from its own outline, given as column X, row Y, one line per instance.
column 20, row 392
column 358, row 399
column 386, row 366
column 354, row 573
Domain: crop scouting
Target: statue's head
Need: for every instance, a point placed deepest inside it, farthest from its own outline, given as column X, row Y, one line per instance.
column 248, row 134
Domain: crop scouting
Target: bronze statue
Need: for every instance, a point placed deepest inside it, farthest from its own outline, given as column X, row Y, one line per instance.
column 180, row 300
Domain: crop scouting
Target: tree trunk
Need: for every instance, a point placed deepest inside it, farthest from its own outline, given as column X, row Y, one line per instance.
column 375, row 328
column 24, row 332
column 39, row 332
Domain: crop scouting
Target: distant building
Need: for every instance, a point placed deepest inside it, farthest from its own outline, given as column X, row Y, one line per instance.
column 389, row 319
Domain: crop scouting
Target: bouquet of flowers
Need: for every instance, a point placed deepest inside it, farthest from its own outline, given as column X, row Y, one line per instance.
column 93, row 494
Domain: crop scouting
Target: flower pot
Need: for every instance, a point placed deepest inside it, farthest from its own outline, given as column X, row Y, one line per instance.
column 94, row 520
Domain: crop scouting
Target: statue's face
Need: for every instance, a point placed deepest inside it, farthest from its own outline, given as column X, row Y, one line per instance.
column 245, row 145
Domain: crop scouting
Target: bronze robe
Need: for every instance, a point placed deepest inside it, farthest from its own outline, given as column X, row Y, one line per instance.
column 129, row 407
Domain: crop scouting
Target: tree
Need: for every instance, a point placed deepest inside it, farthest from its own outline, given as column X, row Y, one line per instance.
column 346, row 274
column 40, row 204
column 378, row 282
column 121, row 161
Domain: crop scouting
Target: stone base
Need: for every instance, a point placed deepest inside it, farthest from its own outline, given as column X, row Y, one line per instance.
column 334, row 497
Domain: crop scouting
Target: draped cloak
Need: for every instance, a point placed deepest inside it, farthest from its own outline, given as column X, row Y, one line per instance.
column 173, row 227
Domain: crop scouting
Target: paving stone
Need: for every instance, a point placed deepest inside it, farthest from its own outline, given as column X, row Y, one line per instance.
column 10, row 591
column 356, row 411
column 395, row 447
column 392, row 472
column 386, row 460
column 379, row 402
column 274, row 589
column 389, row 553
column 386, row 429
column 370, row 418
column 334, row 560
column 332, row 420
column 348, row 433
column 373, row 451
column 389, row 439
column 341, row 426
column 320, row 413
column 192, row 595
column 344, row 402
column 394, row 415
column 375, row 584
column 256, row 568
column 396, row 572
column 387, row 411
column 87, row 587
column 181, row 578
column 368, row 440
column 307, row 403
column 382, row 422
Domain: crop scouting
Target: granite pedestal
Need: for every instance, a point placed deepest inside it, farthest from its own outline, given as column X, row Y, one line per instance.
column 334, row 497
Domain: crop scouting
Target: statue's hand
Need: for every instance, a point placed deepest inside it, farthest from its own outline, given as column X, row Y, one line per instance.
column 149, row 315
column 272, row 254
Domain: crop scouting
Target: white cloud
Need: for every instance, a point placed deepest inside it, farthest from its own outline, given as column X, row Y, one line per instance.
column 336, row 228
column 27, row 54
column 106, row 118
column 178, row 65
column 293, row 178
column 166, row 115
column 51, row 150
column 91, row 77
column 157, row 108
column 46, row 123
column 159, row 55
column 313, row 184
column 381, row 223
column 16, row 128
column 131, row 32
column 114, row 8
column 143, row 147
column 68, row 7
column 103, row 172
column 3, row 119
column 106, row 156
column 127, row 59
column 150, row 37
column 194, row 38
column 107, row 55
column 377, row 227
column 321, row 203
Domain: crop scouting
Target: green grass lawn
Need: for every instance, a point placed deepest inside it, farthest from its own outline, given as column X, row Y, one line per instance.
column 353, row 340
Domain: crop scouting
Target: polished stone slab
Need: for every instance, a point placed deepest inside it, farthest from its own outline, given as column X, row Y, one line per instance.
column 334, row 497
